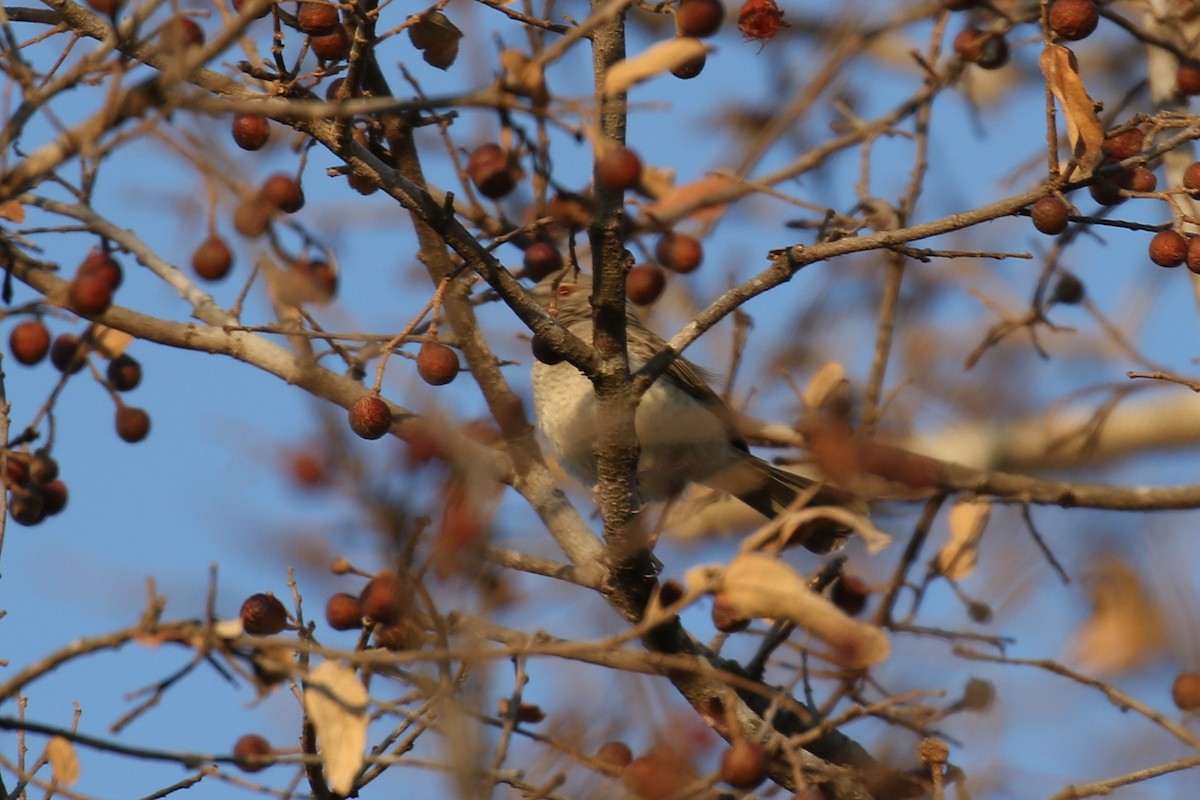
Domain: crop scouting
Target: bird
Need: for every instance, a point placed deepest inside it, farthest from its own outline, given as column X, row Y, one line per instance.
column 686, row 432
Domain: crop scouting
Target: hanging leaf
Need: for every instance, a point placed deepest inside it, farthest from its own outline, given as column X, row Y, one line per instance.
column 336, row 703
column 959, row 556
column 1084, row 129
column 655, row 60
column 64, row 763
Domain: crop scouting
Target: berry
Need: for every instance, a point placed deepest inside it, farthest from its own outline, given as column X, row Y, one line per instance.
column 344, row 612
column 1107, row 191
column 16, row 470
column 679, row 252
column 1168, row 248
column 619, row 169
column 987, row 50
column 42, row 467
column 108, row 7
column 252, row 218
column 251, row 131
column 978, row 695
column 1185, row 691
column 332, row 46
column 1123, row 145
column 542, row 259
column 68, row 354
column 1193, row 254
column 959, row 5
column 282, row 192
column 27, row 506
column 180, row 33
column 370, row 417
column 437, row 363
column 570, row 211
column 1142, row 179
column 1191, row 177
column 1068, row 290
column 659, row 774
column 489, row 169
column 101, row 263
column 213, row 259
column 89, row 294
column 616, row 754
column 133, row 424
column 1072, row 20
column 263, row 615
column 248, row 752
column 54, row 497
column 690, row 68
column 760, row 19
column 699, row 18
column 850, row 594
column 317, row 19
column 307, row 469
column 644, row 284
column 544, row 352
column 385, row 598
column 725, row 616
column 29, row 342
column 124, row 373
column 1187, row 77
column 744, row 765
column 1049, row 215
column 262, row 12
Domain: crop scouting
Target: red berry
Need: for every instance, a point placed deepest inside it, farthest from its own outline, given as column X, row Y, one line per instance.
column 251, row 131
column 16, row 469
column 249, row 752
column 1193, row 254
column 850, row 594
column 238, row 5
column 1068, row 290
column 544, row 352
column 644, row 284
column 542, row 259
column 124, row 373
column 988, row 50
column 213, row 259
column 180, row 33
column 699, row 18
column 690, row 68
column 133, row 424
column 1185, row 691
column 282, row 192
column 489, row 169
column 1191, row 177
column 744, row 765
column 370, row 417
column 317, row 19
column 1072, row 20
column 619, row 169
column 42, row 467
column 344, row 612
column 1107, row 191
column 616, row 754
column 1049, row 215
column 101, row 263
column 108, row 7
column 332, row 46
column 1142, row 179
column 1187, row 76
column 679, row 252
column 29, row 342
column 760, row 19
column 89, row 294
column 571, row 211
column 54, row 497
column 27, row 506
column 385, row 598
column 263, row 615
column 1126, row 144
column 1168, row 248
column 68, row 354
column 437, row 363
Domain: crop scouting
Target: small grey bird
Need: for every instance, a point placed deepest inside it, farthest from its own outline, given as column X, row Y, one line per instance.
column 686, row 432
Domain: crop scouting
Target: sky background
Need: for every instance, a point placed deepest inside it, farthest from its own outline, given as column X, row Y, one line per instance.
column 211, row 486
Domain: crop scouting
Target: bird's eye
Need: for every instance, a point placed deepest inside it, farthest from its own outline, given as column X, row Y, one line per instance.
column 565, row 290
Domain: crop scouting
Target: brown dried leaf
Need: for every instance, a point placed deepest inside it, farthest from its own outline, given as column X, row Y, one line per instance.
column 336, row 703
column 959, row 556
column 438, row 37
column 1126, row 628
column 655, row 60
column 109, row 342
column 12, row 211
column 1084, row 129
column 829, row 378
column 64, row 763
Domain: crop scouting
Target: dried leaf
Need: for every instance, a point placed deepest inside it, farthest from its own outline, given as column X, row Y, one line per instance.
column 336, row 703
column 959, row 556
column 229, row 628
column 109, row 342
column 1126, row 628
column 12, row 211
column 433, row 33
column 64, row 763
column 828, row 379
column 1084, row 129
column 755, row 585
column 655, row 60
column 523, row 77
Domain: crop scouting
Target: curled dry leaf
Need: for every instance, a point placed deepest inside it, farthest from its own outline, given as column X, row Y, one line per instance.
column 655, row 60
column 959, row 556
column 523, row 77
column 694, row 199
column 336, row 703
column 830, row 378
column 1084, row 129
column 1126, row 628
column 755, row 585
column 64, row 763
column 12, row 211
column 437, row 37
